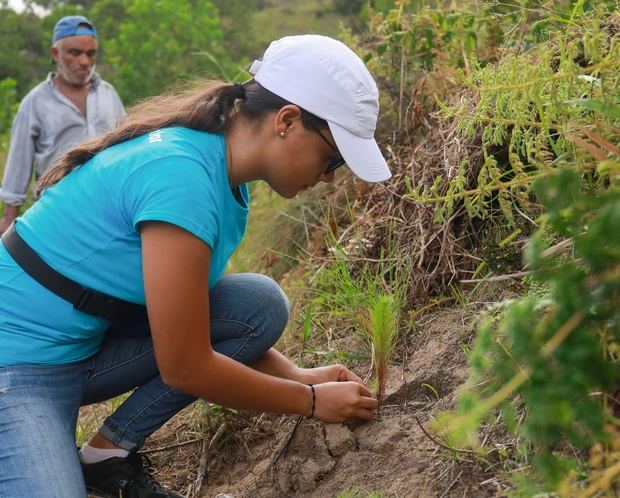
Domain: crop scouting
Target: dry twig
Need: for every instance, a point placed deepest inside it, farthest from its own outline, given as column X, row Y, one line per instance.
column 196, row 486
column 439, row 443
column 172, row 446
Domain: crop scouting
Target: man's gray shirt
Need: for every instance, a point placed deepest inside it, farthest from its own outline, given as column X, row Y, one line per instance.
column 48, row 124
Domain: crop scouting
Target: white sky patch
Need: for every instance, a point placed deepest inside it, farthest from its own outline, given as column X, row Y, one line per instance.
column 18, row 6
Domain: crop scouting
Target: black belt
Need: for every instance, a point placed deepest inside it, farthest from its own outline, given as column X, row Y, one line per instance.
column 83, row 299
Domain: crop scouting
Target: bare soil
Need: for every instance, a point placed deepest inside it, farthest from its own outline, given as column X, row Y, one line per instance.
column 391, row 456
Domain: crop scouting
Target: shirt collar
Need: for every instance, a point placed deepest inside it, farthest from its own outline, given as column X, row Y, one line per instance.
column 95, row 80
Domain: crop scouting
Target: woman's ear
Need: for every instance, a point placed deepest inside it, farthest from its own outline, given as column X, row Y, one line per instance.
column 286, row 118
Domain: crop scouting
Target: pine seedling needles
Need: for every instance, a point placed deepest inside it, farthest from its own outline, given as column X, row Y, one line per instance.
column 380, row 331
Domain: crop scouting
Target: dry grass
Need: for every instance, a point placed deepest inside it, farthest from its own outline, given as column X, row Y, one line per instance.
column 379, row 226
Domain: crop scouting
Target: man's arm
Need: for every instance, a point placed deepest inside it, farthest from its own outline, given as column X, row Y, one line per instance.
column 9, row 215
column 18, row 168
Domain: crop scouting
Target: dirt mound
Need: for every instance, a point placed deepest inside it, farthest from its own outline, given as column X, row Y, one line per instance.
column 391, row 456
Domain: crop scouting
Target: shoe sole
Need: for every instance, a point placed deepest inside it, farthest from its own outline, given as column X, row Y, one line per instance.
column 97, row 493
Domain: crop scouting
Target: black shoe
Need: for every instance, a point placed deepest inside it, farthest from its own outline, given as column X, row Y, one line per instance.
column 124, row 478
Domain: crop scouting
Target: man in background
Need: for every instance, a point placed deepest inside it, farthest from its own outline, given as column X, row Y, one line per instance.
column 71, row 106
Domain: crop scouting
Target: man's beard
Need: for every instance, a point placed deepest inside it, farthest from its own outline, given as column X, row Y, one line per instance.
column 69, row 76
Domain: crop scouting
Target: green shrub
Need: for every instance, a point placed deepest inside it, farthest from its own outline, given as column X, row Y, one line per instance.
column 536, row 106
column 8, row 108
column 549, row 362
column 142, row 62
column 558, row 351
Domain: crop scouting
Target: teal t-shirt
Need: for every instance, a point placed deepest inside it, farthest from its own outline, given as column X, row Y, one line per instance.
column 86, row 227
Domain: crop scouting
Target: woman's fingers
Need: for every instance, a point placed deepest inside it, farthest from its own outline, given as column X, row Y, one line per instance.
column 369, row 403
column 347, row 375
column 365, row 414
column 363, row 390
column 330, row 373
column 341, row 401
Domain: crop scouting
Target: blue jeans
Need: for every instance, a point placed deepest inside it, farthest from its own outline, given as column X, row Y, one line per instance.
column 39, row 404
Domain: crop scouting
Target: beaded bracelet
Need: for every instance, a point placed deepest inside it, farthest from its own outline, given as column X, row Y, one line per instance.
column 313, row 401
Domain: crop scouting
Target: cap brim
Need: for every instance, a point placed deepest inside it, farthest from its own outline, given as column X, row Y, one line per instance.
column 362, row 155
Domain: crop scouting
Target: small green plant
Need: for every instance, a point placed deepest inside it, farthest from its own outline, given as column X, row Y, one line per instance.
column 365, row 302
column 432, row 389
column 380, row 331
column 305, row 334
column 82, row 433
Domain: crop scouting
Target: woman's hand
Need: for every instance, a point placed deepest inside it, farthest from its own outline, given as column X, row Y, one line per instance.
column 342, row 401
column 330, row 373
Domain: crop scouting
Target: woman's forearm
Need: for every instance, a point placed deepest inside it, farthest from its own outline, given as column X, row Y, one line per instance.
column 275, row 363
column 229, row 383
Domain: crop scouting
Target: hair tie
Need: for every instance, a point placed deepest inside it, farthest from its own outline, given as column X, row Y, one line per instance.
column 240, row 91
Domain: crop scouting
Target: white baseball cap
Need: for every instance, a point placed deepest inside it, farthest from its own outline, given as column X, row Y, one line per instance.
column 327, row 79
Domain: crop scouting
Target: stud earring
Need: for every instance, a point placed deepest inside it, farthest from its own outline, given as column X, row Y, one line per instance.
column 281, row 134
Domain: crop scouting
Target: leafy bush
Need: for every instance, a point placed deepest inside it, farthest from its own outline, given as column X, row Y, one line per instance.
column 150, row 47
column 25, row 48
column 544, row 121
column 407, row 40
column 557, row 350
column 347, row 6
column 534, row 107
column 8, row 108
column 550, row 361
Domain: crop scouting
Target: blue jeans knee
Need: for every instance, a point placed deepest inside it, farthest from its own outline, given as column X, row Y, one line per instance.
column 249, row 313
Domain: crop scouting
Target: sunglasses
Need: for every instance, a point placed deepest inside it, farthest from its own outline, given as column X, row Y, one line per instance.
column 334, row 164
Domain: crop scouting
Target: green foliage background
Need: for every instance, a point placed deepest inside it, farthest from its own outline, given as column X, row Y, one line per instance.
column 147, row 46
column 147, row 52
column 8, row 107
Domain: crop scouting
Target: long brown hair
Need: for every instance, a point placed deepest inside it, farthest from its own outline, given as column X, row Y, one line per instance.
column 208, row 107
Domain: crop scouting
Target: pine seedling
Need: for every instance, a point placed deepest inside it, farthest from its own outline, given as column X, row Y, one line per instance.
column 381, row 329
